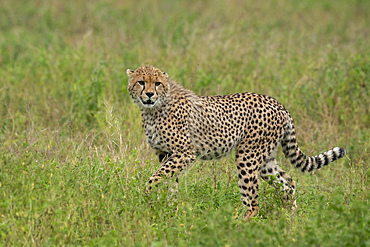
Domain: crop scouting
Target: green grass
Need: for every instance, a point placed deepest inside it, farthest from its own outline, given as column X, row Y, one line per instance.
column 73, row 157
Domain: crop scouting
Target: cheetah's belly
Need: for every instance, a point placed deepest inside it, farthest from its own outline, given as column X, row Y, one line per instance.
column 214, row 146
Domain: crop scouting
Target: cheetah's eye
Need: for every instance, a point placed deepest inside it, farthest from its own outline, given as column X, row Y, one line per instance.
column 141, row 83
column 157, row 83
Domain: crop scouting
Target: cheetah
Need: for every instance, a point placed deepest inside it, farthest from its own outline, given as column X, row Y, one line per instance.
column 181, row 127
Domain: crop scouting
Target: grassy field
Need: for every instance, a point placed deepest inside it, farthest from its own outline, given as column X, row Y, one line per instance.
column 73, row 157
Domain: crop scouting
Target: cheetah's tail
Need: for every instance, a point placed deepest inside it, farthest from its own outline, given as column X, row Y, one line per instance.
column 301, row 160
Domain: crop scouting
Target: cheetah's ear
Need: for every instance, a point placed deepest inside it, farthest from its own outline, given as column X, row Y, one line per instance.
column 129, row 72
column 165, row 75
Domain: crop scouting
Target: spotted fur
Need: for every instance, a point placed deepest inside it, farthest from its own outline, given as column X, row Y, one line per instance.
column 182, row 126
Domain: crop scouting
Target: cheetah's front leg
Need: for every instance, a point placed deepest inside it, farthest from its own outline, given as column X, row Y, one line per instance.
column 170, row 167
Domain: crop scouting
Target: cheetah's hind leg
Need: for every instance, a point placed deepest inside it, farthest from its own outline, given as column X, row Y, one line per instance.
column 282, row 181
column 248, row 178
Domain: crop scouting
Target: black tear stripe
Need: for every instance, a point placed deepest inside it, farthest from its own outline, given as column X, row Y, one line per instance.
column 142, row 90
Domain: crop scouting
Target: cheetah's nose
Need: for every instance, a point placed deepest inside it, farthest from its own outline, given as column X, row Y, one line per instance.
column 149, row 94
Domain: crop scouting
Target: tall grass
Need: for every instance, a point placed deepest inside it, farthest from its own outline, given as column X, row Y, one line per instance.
column 73, row 157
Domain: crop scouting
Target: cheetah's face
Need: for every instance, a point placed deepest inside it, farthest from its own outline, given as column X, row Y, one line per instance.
column 147, row 86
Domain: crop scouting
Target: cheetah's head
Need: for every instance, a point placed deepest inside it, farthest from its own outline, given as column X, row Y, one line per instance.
column 147, row 86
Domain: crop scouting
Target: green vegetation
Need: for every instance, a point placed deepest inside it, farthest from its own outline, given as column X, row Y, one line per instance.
column 73, row 157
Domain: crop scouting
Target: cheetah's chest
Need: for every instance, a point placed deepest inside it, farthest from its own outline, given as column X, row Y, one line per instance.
column 154, row 133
